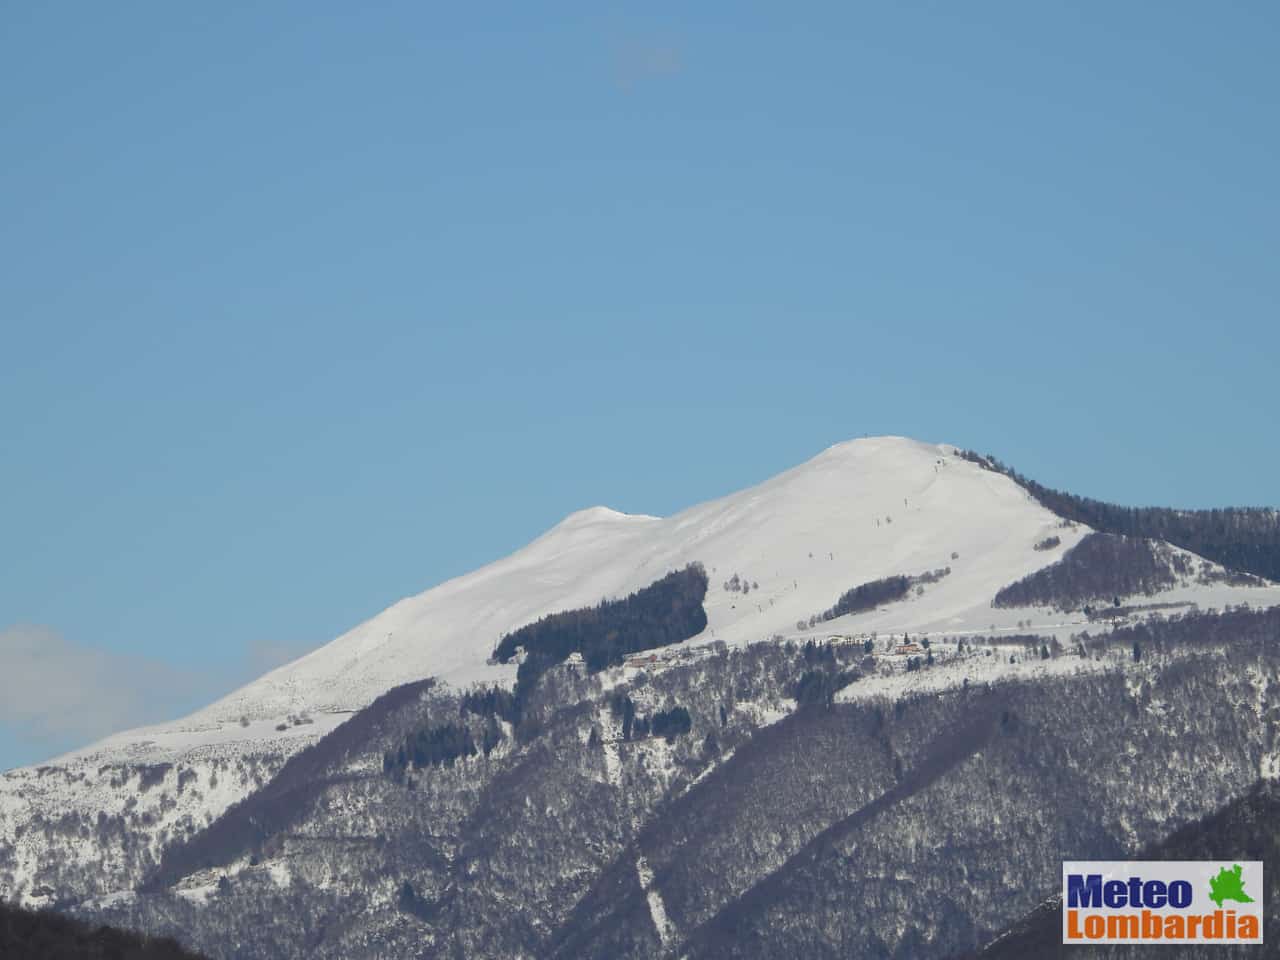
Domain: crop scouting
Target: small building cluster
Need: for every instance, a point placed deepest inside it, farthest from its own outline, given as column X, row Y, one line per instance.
column 904, row 647
column 669, row 656
column 843, row 640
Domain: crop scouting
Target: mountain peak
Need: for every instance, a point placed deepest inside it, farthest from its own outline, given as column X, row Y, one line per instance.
column 862, row 510
column 599, row 514
column 885, row 444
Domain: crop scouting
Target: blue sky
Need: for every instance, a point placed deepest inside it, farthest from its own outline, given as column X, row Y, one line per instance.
column 307, row 307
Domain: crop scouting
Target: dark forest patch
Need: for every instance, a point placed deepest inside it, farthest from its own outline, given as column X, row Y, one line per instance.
column 45, row 935
column 876, row 593
column 1099, row 569
column 666, row 612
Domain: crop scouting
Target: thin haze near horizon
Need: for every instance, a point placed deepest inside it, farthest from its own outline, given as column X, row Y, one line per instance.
column 307, row 308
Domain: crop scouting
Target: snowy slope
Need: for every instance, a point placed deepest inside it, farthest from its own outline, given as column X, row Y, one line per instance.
column 857, row 512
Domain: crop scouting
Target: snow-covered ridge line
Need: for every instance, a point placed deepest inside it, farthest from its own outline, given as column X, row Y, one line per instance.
column 858, row 512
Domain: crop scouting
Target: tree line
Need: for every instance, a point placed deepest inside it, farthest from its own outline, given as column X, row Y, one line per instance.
column 1240, row 538
column 440, row 745
column 1101, row 567
column 666, row 612
column 45, row 935
column 668, row 724
column 874, row 593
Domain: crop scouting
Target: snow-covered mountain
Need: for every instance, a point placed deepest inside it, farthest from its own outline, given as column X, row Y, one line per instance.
column 858, row 512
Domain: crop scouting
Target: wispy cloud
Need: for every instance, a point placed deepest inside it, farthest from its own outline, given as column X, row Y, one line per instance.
column 56, row 694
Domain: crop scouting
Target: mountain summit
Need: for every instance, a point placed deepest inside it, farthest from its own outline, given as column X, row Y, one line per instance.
column 860, row 511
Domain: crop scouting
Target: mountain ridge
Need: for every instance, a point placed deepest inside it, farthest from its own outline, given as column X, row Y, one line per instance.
column 779, row 554
column 599, row 531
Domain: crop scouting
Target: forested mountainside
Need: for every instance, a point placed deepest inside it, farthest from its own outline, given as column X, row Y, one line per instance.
column 278, row 804
column 1246, row 539
column 666, row 612
column 1247, row 828
column 1103, row 567
column 45, row 935
column 99, row 827
column 888, row 823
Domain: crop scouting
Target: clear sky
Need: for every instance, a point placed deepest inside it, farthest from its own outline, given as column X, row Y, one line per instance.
column 305, row 308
